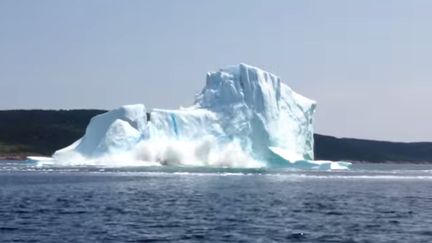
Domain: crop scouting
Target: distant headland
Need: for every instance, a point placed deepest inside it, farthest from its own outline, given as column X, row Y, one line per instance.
column 50, row 130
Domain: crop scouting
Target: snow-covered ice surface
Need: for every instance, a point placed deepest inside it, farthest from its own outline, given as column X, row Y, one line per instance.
column 243, row 118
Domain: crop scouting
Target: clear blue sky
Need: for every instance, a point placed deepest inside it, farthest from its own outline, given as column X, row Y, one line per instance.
column 367, row 63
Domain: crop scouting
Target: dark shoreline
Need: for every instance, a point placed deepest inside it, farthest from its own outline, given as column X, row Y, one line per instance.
column 24, row 157
column 41, row 132
column 16, row 157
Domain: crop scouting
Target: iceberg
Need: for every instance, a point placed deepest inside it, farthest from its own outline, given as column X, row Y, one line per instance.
column 244, row 117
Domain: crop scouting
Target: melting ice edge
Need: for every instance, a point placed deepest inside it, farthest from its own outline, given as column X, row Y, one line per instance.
column 244, row 117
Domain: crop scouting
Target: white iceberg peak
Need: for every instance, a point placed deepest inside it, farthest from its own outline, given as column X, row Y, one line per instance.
column 243, row 117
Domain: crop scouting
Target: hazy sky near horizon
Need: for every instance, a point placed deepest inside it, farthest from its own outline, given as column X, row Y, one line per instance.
column 367, row 63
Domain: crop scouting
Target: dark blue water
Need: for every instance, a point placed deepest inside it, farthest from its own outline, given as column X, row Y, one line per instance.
column 389, row 203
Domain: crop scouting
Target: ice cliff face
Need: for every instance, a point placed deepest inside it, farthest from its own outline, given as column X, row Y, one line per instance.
column 261, row 111
column 244, row 117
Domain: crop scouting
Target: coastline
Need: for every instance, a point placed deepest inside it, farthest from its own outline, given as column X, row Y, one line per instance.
column 50, row 130
column 18, row 157
column 15, row 157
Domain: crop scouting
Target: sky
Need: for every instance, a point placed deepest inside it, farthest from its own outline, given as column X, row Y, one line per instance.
column 367, row 63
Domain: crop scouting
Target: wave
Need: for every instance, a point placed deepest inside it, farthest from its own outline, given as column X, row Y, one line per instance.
column 190, row 171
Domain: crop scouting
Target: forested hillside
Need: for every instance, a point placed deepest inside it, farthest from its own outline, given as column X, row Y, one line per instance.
column 41, row 132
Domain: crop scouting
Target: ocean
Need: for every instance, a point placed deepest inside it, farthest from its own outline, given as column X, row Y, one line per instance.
column 370, row 203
